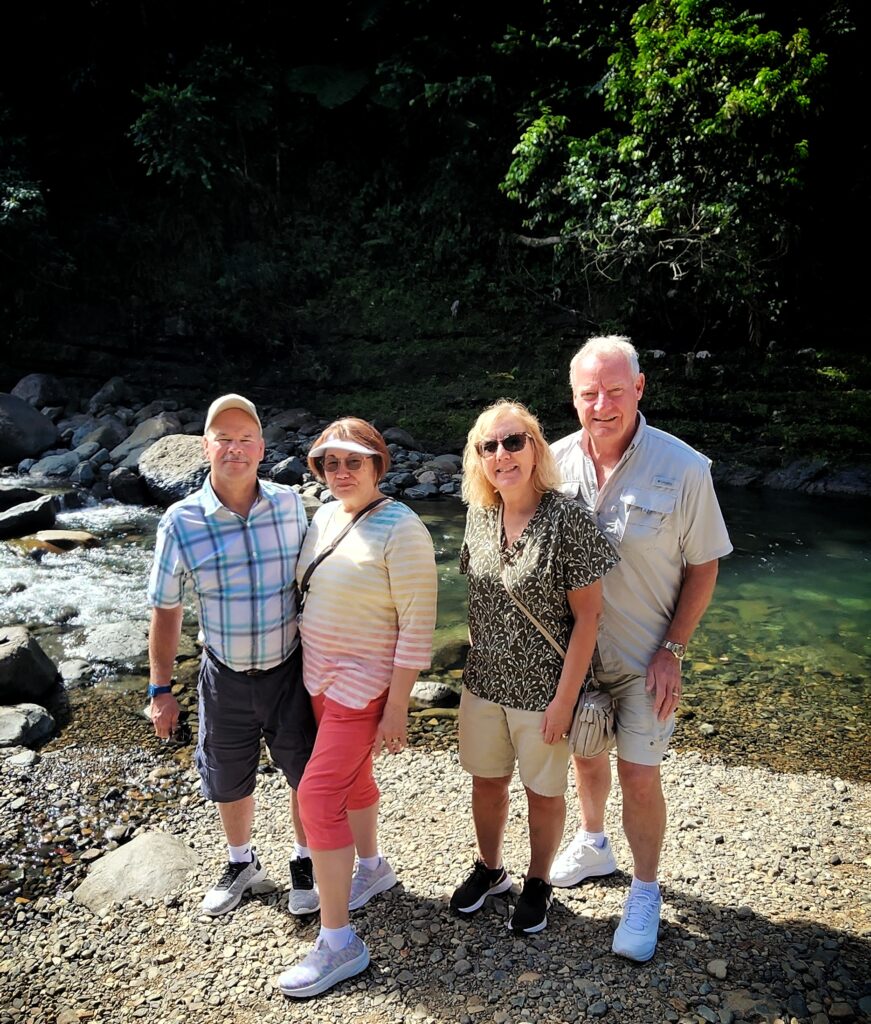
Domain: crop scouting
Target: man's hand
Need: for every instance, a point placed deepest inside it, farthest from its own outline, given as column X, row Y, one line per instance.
column 557, row 721
column 164, row 713
column 664, row 682
column 391, row 734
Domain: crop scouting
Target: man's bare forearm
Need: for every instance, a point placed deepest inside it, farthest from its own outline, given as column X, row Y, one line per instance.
column 163, row 638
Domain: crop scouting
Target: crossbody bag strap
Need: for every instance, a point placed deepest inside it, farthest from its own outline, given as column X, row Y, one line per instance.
column 304, row 583
column 545, row 632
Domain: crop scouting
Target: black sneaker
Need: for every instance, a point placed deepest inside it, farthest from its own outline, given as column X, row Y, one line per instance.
column 530, row 913
column 303, row 897
column 236, row 880
column 482, row 882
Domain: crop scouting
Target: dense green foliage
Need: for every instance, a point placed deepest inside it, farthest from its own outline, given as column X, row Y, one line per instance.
column 333, row 195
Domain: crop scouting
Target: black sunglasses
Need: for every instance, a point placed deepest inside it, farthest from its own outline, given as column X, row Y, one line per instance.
column 511, row 443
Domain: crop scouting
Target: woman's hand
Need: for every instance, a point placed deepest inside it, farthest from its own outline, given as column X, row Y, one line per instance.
column 557, row 720
column 391, row 734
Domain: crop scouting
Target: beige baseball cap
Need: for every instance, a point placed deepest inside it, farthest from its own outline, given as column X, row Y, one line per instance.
column 232, row 402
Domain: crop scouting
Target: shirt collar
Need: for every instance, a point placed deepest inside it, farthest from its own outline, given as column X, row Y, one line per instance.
column 212, row 503
column 637, row 437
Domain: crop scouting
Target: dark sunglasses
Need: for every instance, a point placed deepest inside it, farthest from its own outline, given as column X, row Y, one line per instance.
column 352, row 463
column 511, row 443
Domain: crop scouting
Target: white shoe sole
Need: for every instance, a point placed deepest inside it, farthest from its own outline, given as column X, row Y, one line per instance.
column 379, row 885
column 234, row 901
column 302, row 911
column 534, row 930
column 347, row 970
column 566, row 881
column 626, row 954
column 495, row 890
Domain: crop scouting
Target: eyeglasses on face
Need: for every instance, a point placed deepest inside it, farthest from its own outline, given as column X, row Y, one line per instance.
column 352, row 463
column 511, row 443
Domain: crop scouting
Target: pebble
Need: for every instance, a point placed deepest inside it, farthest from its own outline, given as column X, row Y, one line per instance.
column 787, row 942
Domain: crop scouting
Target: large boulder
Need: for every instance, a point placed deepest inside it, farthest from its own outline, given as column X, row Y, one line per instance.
column 151, row 866
column 24, row 724
column 40, row 389
column 12, row 496
column 113, row 392
column 173, row 468
column 108, row 433
column 60, row 465
column 128, row 486
column 128, row 452
column 288, row 471
column 396, row 435
column 28, row 517
column 115, row 643
column 26, row 671
column 24, row 433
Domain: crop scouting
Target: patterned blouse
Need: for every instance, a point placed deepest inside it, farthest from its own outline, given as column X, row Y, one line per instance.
column 560, row 549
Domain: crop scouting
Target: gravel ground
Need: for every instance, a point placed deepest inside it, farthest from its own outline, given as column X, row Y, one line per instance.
column 766, row 914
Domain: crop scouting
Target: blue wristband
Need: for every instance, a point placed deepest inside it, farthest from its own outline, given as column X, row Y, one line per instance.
column 156, row 691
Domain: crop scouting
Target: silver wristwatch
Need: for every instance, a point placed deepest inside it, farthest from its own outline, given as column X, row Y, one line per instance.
column 678, row 650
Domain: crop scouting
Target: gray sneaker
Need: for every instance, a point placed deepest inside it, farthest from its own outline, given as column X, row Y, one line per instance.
column 368, row 882
column 324, row 967
column 236, row 880
column 303, row 897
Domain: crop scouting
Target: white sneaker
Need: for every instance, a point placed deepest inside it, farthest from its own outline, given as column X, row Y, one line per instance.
column 580, row 860
column 228, row 890
column 323, row 968
column 636, row 935
column 368, row 882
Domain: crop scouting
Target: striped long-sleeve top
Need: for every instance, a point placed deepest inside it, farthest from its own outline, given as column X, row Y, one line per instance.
column 371, row 604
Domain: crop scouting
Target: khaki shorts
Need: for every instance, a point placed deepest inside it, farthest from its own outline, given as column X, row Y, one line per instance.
column 493, row 737
column 641, row 737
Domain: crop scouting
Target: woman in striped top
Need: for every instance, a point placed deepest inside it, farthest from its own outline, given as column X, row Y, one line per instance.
column 367, row 626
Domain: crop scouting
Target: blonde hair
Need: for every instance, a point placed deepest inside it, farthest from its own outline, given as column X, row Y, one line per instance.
column 605, row 346
column 477, row 489
column 350, row 428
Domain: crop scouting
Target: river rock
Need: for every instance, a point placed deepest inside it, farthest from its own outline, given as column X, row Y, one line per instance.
column 115, row 643
column 149, row 867
column 26, row 671
column 28, row 518
column 421, row 492
column 173, row 467
column 128, row 452
column 58, row 541
column 448, row 464
column 127, row 485
column 40, row 389
column 113, row 392
column 430, row 693
column 109, row 432
column 289, row 471
column 12, row 496
column 24, row 433
column 23, row 724
column 62, row 465
column 396, row 435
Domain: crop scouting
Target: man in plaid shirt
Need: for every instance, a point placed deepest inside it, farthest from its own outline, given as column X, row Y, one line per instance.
column 236, row 542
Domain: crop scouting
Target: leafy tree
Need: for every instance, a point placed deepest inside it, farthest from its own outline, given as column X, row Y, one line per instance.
column 686, row 198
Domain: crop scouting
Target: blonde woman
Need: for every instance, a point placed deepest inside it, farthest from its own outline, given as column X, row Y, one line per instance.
column 518, row 692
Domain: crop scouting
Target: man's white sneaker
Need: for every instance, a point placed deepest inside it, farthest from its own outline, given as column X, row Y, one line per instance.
column 368, row 882
column 580, row 860
column 636, row 935
column 228, row 890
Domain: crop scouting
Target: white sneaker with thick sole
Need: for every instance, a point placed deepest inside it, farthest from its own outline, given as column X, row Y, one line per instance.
column 580, row 860
column 368, row 882
column 636, row 935
column 324, row 967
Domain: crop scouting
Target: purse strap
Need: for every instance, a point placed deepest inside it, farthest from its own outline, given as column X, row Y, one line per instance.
column 307, row 575
column 545, row 632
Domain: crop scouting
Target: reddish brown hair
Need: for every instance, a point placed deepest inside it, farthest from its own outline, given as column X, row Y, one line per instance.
column 350, row 428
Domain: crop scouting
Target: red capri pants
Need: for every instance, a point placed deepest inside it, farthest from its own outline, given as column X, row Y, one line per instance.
column 338, row 777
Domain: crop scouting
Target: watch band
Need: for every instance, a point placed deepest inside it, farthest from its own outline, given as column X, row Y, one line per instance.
column 156, row 691
column 678, row 650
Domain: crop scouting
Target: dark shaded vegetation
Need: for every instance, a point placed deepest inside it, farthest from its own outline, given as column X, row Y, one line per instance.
column 407, row 208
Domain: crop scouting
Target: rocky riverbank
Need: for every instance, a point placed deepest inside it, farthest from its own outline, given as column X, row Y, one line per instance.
column 766, row 914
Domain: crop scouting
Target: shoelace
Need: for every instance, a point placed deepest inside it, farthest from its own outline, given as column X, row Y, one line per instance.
column 231, row 873
column 639, row 910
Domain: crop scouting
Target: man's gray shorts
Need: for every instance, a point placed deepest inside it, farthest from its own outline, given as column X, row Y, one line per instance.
column 236, row 710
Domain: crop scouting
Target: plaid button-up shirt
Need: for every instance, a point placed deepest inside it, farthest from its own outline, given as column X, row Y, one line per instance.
column 242, row 571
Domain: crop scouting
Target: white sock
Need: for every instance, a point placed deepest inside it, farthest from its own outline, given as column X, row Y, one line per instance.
column 301, row 851
column 639, row 886
column 336, row 938
column 595, row 838
column 370, row 863
column 240, row 854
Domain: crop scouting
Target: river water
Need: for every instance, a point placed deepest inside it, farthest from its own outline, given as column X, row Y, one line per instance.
column 777, row 674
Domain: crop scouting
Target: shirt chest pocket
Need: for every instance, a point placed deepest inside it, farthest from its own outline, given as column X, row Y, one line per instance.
column 646, row 514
